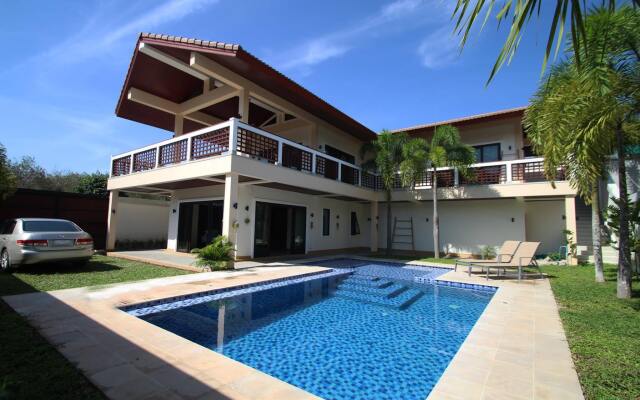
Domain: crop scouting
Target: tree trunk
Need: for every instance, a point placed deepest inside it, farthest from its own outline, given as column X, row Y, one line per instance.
column 624, row 253
column 596, row 234
column 389, row 238
column 436, row 220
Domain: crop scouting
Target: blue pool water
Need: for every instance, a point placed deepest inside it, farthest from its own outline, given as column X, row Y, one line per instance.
column 366, row 331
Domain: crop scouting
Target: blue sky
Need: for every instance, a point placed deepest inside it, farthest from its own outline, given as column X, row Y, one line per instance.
column 387, row 63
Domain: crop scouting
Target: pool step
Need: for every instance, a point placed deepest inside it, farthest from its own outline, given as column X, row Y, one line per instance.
column 388, row 291
column 399, row 298
column 370, row 281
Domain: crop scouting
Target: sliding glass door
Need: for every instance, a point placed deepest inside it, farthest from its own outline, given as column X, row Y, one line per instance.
column 280, row 229
column 199, row 222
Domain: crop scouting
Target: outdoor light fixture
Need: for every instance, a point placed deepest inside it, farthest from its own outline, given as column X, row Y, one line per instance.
column 311, row 215
column 235, row 205
column 113, row 211
column 246, row 208
column 174, row 210
column 513, row 219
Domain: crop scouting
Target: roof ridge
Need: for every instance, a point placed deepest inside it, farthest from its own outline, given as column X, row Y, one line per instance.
column 197, row 42
column 460, row 119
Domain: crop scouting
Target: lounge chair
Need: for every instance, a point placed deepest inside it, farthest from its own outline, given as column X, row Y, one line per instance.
column 523, row 257
column 505, row 255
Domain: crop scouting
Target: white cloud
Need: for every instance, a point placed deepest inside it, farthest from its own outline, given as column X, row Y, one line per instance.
column 398, row 15
column 439, row 49
column 99, row 35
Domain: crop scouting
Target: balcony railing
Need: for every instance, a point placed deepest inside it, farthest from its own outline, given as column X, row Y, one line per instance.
column 235, row 137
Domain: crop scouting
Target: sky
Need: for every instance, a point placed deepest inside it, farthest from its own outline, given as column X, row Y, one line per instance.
column 387, row 63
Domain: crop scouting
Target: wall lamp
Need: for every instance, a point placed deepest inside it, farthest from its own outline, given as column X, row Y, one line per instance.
column 174, row 210
column 235, row 205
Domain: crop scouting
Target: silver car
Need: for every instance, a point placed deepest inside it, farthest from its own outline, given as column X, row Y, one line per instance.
column 37, row 240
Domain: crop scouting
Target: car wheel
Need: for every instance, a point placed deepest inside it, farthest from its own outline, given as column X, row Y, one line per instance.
column 5, row 261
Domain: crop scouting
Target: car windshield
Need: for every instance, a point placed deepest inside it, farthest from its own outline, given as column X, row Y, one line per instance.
column 49, row 226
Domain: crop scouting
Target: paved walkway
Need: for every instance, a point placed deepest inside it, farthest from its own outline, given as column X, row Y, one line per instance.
column 517, row 349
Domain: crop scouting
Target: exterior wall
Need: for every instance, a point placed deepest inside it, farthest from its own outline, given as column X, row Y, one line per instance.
column 340, row 236
column 346, row 143
column 507, row 132
column 142, row 219
column 465, row 226
column 544, row 223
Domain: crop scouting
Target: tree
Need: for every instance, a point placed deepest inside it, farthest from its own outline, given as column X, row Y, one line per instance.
column 29, row 174
column 95, row 183
column 7, row 178
column 446, row 150
column 555, row 122
column 468, row 12
column 385, row 158
column 585, row 112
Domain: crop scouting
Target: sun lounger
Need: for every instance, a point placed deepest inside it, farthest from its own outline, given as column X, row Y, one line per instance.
column 505, row 255
column 523, row 257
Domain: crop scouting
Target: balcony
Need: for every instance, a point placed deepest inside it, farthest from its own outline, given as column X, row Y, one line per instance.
column 234, row 137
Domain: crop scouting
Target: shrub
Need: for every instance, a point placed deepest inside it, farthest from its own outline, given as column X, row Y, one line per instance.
column 216, row 255
column 487, row 252
column 195, row 250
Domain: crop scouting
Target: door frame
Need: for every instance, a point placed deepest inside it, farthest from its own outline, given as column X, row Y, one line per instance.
column 283, row 203
column 194, row 200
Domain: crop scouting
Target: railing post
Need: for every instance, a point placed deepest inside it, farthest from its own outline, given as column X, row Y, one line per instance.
column 339, row 172
column 279, row 162
column 456, row 177
column 509, row 172
column 189, row 143
column 359, row 176
column 157, row 156
column 313, row 163
column 233, row 135
column 131, row 159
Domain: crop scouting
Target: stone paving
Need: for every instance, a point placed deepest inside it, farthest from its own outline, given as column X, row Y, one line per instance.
column 517, row 350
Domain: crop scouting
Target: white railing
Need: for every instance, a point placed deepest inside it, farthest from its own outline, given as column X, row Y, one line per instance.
column 238, row 138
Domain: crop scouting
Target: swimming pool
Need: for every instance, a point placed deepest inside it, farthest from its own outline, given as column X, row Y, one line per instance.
column 364, row 330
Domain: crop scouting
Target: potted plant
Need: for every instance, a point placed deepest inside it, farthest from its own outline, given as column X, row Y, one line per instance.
column 216, row 256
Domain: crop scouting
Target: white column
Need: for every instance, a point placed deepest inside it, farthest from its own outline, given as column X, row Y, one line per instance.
column 112, row 220
column 229, row 212
column 178, row 125
column 233, row 135
column 570, row 221
column 509, row 169
column 374, row 227
column 456, row 177
column 279, row 153
column 243, row 106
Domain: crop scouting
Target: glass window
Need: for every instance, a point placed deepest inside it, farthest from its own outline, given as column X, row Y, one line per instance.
column 355, row 227
column 488, row 153
column 49, row 226
column 339, row 154
column 326, row 221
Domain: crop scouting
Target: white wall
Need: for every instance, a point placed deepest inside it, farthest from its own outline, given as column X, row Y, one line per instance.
column 339, row 238
column 465, row 226
column 545, row 223
column 142, row 219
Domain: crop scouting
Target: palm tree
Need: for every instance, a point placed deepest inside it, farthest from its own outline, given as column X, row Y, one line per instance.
column 468, row 12
column 446, row 150
column 590, row 110
column 554, row 122
column 385, row 156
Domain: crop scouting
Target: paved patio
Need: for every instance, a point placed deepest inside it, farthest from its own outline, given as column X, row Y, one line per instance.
column 517, row 350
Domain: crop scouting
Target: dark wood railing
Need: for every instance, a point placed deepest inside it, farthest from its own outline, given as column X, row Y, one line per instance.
column 489, row 175
column 173, row 153
column 296, row 158
column 326, row 167
column 144, row 160
column 532, row 172
column 210, row 144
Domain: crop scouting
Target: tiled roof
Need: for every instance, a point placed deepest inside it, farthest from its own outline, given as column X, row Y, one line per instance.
column 197, row 42
column 462, row 119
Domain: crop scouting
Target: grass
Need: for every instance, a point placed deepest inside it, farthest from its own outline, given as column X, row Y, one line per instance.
column 603, row 331
column 31, row 367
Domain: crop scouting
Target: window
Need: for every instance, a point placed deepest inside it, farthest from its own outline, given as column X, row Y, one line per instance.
column 355, row 227
column 488, row 152
column 6, row 228
column 326, row 221
column 339, row 154
column 49, row 226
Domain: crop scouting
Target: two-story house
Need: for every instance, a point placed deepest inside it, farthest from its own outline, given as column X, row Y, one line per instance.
column 257, row 157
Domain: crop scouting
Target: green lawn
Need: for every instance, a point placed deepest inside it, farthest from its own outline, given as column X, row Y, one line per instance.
column 30, row 367
column 603, row 331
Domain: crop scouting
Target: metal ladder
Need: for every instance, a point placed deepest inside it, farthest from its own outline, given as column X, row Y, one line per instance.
column 400, row 229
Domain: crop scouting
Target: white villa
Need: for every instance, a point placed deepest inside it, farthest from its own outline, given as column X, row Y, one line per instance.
column 255, row 156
